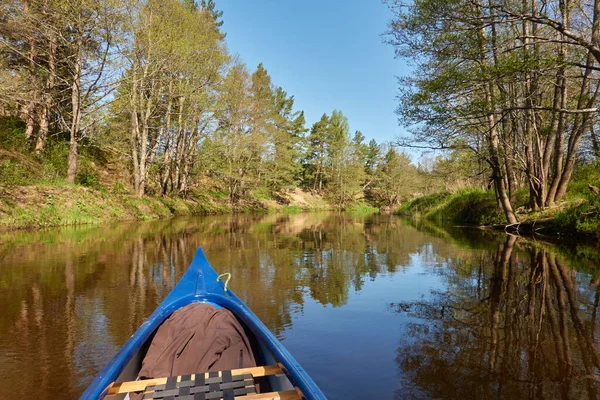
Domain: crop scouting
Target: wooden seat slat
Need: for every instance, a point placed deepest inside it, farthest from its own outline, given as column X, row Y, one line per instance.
column 138, row 386
column 285, row 395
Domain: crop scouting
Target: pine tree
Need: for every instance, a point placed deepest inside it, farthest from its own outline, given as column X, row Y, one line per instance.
column 317, row 142
column 216, row 15
column 396, row 179
column 345, row 169
column 285, row 167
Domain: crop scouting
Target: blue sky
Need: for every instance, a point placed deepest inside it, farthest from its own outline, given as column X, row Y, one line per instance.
column 328, row 54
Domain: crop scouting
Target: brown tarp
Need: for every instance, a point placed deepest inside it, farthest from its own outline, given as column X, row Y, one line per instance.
column 197, row 338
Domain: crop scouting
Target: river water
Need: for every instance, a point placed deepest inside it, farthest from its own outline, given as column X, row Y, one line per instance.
column 371, row 306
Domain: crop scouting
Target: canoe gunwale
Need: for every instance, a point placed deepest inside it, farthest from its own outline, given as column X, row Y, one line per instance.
column 199, row 284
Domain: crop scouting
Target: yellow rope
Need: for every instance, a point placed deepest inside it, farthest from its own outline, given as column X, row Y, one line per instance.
column 226, row 280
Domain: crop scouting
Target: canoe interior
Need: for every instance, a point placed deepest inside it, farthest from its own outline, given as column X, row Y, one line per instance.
column 275, row 383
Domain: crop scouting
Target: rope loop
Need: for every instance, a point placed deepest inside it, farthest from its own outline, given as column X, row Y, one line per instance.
column 226, row 282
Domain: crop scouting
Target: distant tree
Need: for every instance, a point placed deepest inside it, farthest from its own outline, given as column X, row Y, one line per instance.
column 397, row 179
column 345, row 168
column 171, row 98
column 284, row 166
column 317, row 147
column 238, row 159
column 372, row 155
column 216, row 15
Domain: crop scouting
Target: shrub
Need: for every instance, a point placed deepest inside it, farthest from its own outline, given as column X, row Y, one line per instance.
column 54, row 160
column 12, row 134
column 470, row 206
column 360, row 207
column 119, row 188
column 424, row 204
column 583, row 219
column 87, row 178
column 13, row 173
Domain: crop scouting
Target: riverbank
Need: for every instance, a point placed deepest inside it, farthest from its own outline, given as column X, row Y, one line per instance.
column 40, row 206
column 578, row 216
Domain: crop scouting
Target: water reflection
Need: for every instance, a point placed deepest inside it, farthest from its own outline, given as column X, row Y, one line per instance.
column 503, row 319
column 512, row 324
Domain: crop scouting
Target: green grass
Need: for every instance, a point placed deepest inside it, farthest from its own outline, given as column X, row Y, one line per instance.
column 291, row 210
column 360, row 207
column 44, row 206
column 580, row 220
column 261, row 194
column 422, row 205
column 468, row 207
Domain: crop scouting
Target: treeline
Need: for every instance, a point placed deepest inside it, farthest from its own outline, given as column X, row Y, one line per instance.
column 511, row 87
column 150, row 86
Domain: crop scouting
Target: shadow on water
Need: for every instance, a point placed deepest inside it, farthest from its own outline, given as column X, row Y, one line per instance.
column 497, row 318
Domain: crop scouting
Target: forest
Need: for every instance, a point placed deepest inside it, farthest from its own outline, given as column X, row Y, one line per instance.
column 109, row 94
column 511, row 85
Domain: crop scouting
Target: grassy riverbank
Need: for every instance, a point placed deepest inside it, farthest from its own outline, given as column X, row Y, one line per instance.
column 576, row 216
column 41, row 205
column 34, row 192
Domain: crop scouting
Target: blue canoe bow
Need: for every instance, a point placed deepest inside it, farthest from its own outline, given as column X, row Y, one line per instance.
column 200, row 284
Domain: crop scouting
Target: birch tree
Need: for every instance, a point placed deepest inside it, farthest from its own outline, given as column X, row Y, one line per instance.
column 501, row 80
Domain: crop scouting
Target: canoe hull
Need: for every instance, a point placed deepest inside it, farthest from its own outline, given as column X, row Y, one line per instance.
column 199, row 284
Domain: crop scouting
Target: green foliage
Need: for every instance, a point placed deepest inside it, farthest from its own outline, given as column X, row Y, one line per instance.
column 345, row 168
column 395, row 179
column 422, row 205
column 457, row 170
column 54, row 159
column 466, row 57
column 119, row 188
column 174, row 127
column 291, row 210
column 361, row 207
column 13, row 173
column 217, row 194
column 262, row 193
column 468, row 207
column 12, row 134
column 87, row 178
column 583, row 219
column 316, row 154
column 283, row 169
column 583, row 175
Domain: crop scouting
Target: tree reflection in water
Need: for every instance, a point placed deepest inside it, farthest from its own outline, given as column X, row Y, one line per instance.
column 508, row 322
column 514, row 324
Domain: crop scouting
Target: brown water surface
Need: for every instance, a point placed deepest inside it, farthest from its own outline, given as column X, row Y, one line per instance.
column 371, row 306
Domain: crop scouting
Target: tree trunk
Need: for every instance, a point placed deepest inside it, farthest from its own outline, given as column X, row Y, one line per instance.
column 143, row 148
column 48, row 98
column 31, row 105
column 595, row 143
column 561, row 123
column 76, row 112
column 29, row 120
column 44, row 128
column 167, row 154
column 134, row 121
column 550, row 148
column 181, row 141
column 586, row 118
column 492, row 135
